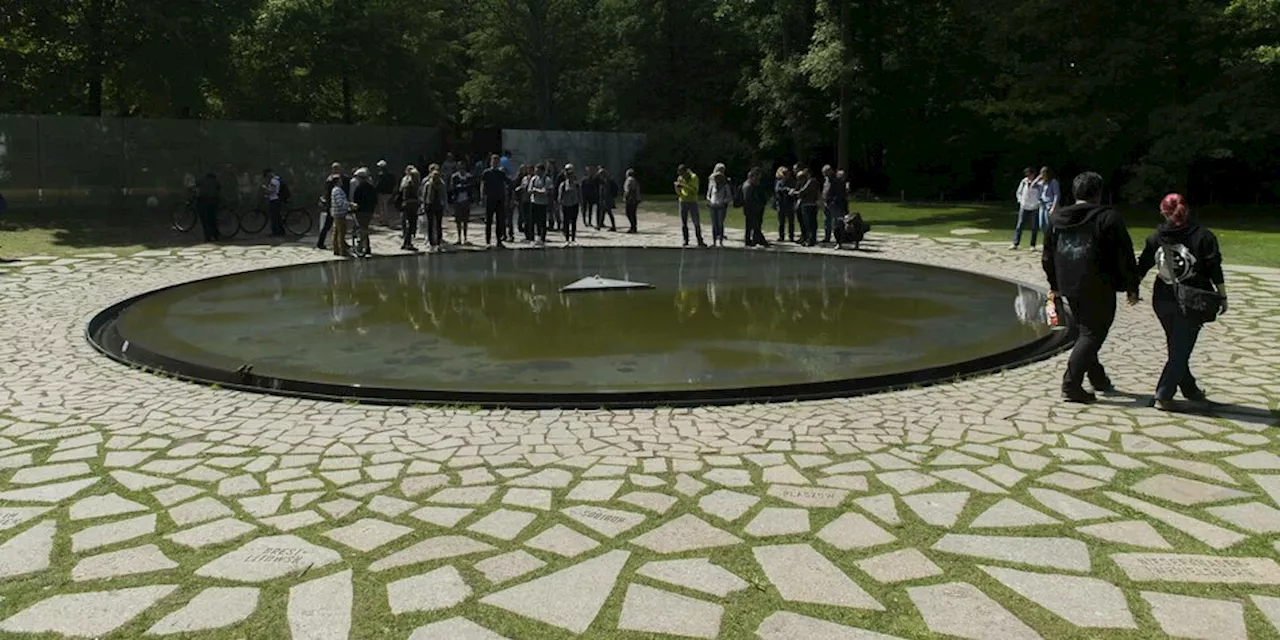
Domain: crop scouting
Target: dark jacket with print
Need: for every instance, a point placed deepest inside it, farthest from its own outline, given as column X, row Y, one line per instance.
column 1088, row 252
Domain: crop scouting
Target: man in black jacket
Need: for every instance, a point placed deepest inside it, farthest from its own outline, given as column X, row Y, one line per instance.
column 754, row 199
column 1088, row 258
column 386, row 186
column 365, row 195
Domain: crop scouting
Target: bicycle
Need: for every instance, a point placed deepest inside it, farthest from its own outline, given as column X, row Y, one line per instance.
column 297, row 220
column 185, row 217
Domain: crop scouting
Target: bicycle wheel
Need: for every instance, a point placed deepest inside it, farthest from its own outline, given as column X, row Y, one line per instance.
column 184, row 216
column 253, row 221
column 228, row 224
column 298, row 222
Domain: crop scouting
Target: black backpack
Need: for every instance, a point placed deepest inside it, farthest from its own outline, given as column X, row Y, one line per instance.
column 284, row 192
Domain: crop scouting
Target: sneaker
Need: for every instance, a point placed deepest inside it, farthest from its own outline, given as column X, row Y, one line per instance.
column 1105, row 386
column 1164, row 404
column 702, row 245
column 1013, row 247
column 1078, row 396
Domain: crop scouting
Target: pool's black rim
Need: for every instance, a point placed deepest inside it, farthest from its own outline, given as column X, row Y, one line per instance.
column 101, row 334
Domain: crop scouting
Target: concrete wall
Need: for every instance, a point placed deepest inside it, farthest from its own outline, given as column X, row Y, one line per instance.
column 613, row 151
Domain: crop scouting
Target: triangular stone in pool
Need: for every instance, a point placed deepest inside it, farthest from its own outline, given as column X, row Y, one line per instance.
column 596, row 283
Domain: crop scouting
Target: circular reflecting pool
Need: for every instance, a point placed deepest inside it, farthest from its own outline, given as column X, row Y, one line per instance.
column 494, row 328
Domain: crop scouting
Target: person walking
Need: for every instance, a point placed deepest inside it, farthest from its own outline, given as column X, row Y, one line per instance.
column 590, row 190
column 386, row 187
column 326, row 225
column 785, row 204
column 1050, row 192
column 835, row 200
column 719, row 199
column 608, row 199
column 570, row 199
column 275, row 205
column 807, row 195
column 1186, row 257
column 1088, row 257
column 754, row 199
column 554, row 213
column 539, row 196
column 632, row 198
column 339, row 210
column 408, row 197
column 366, row 197
column 494, row 188
column 435, row 199
column 208, row 197
column 687, row 191
column 1028, row 197
column 460, row 196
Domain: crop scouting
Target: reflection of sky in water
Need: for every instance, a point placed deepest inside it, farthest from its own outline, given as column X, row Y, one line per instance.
column 497, row 320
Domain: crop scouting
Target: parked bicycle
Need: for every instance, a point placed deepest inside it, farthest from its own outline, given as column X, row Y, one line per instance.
column 297, row 220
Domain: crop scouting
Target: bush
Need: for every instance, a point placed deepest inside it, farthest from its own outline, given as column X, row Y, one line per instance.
column 696, row 144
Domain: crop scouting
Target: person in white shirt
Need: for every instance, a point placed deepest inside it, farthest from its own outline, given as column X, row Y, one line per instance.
column 271, row 188
column 1028, row 196
column 540, row 195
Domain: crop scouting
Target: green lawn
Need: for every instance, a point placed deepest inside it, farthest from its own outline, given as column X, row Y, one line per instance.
column 1249, row 235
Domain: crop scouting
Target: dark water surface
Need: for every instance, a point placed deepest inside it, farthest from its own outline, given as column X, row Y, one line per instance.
column 495, row 321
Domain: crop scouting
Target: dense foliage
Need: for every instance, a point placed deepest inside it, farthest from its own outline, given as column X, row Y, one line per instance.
column 944, row 98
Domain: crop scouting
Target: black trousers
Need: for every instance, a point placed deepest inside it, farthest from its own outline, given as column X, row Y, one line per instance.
column 408, row 223
column 538, row 221
column 435, row 225
column 591, row 210
column 208, row 211
column 632, row 207
column 570, row 222
column 274, row 209
column 1094, row 315
column 1180, row 334
column 606, row 211
column 787, row 224
column 809, row 224
column 326, row 225
column 495, row 213
column 755, row 224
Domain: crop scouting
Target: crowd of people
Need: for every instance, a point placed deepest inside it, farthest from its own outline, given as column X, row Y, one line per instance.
column 531, row 200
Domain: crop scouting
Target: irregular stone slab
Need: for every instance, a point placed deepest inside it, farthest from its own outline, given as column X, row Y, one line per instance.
column 202, row 510
column 686, row 533
column 544, row 479
column 1253, row 517
column 656, row 611
column 1084, row 602
column 1131, row 532
column 697, row 574
column 813, row 497
column 139, row 481
column 389, row 506
column 262, row 506
column 854, row 531
column 509, row 566
column 1070, row 481
column 1070, row 507
column 882, row 507
column 531, row 498
column 213, row 608
column 1185, row 492
column 1270, row 608
column 938, row 509
column 101, row 507
column 91, row 614
column 212, row 533
column 238, row 486
column 906, row 481
column 1173, row 567
column 48, row 493
column 29, row 551
column 321, row 609
column 1054, row 553
column 609, row 522
column 463, row 495
column 850, row 483
column 729, row 477
column 567, row 599
column 454, row 629
column 292, row 521
column 503, row 524
column 1198, row 618
column 11, row 517
column 801, row 574
column 726, row 504
column 368, row 534
column 417, row 485
column 126, row 562
column 961, row 609
column 437, row 548
column 595, row 490
column 656, row 502
column 50, row 472
column 1214, row 536
column 1009, row 513
column 783, row 474
column 269, row 558
column 689, row 486
column 1197, row 468
column 562, row 541
column 773, row 521
column 447, row 517
column 1255, row 461
column 113, row 532
column 970, row 480
column 170, row 496
column 431, row 591
column 1003, row 474
column 784, row 625
column 339, row 507
column 899, row 566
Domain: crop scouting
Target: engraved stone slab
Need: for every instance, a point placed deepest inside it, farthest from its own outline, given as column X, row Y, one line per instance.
column 11, row 517
column 1172, row 567
column 610, row 522
column 431, row 591
column 568, row 599
column 813, row 497
column 213, row 608
column 801, row 574
column 1084, row 602
column 1201, row 618
column 91, row 614
column 656, row 611
column 697, row 574
column 900, row 566
column 269, row 558
column 961, row 609
column 1055, row 553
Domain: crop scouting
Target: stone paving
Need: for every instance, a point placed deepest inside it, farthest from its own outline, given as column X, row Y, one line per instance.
column 134, row 505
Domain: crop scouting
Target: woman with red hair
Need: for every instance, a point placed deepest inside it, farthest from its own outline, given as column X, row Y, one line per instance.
column 1189, row 292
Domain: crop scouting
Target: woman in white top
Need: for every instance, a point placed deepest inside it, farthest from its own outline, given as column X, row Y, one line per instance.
column 570, row 199
column 719, row 197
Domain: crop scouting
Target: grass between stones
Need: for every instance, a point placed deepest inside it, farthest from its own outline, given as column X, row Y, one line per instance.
column 1248, row 235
